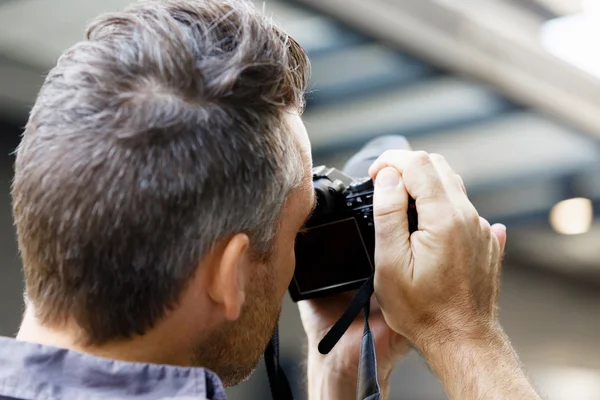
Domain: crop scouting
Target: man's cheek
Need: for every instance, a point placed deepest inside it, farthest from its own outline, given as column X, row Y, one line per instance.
column 291, row 266
column 286, row 270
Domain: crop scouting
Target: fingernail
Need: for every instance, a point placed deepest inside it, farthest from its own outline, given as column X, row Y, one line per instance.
column 502, row 226
column 388, row 177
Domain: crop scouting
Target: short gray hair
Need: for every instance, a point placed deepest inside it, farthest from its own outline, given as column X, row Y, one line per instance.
column 158, row 135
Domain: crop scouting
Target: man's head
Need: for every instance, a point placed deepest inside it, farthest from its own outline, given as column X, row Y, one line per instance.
column 162, row 178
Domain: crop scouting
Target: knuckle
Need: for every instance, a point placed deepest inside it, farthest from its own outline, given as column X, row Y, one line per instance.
column 437, row 158
column 386, row 155
column 463, row 220
column 461, row 183
column 486, row 229
column 471, row 216
column 468, row 215
column 385, row 210
column 484, row 224
column 421, row 158
column 450, row 222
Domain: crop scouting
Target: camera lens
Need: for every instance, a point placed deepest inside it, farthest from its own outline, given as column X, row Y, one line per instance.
column 325, row 197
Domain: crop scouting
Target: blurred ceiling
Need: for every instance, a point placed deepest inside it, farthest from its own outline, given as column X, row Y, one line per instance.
column 468, row 79
column 560, row 7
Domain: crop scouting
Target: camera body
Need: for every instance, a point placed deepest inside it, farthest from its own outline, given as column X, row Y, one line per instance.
column 336, row 251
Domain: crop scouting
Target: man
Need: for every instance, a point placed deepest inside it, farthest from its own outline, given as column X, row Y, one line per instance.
column 159, row 186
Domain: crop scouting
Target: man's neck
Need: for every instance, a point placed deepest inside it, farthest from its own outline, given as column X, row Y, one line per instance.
column 152, row 348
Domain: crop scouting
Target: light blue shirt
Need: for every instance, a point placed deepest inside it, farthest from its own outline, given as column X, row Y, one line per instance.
column 31, row 371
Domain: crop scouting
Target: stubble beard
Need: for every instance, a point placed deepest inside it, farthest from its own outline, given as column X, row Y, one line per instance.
column 234, row 349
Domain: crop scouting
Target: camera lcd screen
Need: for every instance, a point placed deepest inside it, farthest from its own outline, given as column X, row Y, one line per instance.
column 330, row 255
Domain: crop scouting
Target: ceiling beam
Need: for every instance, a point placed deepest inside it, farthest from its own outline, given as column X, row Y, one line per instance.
column 561, row 7
column 537, row 7
column 490, row 41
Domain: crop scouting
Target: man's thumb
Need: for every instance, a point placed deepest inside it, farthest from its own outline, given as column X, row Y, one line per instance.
column 390, row 208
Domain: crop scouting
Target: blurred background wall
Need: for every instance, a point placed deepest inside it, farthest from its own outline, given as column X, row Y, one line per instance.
column 507, row 90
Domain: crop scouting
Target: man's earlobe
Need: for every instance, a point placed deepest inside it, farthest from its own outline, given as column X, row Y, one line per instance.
column 228, row 283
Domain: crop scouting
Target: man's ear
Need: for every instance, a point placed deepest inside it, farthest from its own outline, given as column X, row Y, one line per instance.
column 228, row 281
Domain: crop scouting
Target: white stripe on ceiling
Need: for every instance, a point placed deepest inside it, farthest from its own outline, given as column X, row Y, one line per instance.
column 440, row 99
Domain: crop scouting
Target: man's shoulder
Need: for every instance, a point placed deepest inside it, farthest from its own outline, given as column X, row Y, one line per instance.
column 32, row 371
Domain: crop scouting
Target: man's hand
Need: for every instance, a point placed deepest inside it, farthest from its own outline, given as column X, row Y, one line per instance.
column 442, row 281
column 439, row 286
column 333, row 376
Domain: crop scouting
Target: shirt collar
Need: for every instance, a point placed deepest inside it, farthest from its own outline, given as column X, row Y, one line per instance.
column 35, row 371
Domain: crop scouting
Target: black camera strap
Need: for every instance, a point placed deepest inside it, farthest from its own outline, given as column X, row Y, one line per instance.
column 368, row 384
column 280, row 387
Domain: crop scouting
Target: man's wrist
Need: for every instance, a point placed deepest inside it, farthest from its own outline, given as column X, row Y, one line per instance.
column 471, row 366
column 445, row 351
column 327, row 380
column 333, row 378
column 327, row 366
column 468, row 336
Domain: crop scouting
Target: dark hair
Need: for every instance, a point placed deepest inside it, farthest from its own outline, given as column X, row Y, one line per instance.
column 152, row 139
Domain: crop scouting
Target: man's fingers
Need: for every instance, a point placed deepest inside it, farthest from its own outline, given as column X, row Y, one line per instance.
column 428, row 178
column 455, row 252
column 498, row 241
column 453, row 183
column 390, row 207
column 384, row 161
column 433, row 165
column 414, row 166
column 390, row 202
column 500, row 231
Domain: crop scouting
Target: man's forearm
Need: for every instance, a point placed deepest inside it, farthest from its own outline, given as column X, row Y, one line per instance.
column 486, row 367
column 335, row 382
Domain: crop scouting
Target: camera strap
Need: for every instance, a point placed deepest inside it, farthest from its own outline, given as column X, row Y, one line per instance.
column 280, row 387
column 368, row 384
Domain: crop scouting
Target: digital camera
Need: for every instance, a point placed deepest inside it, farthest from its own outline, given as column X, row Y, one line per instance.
column 335, row 252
